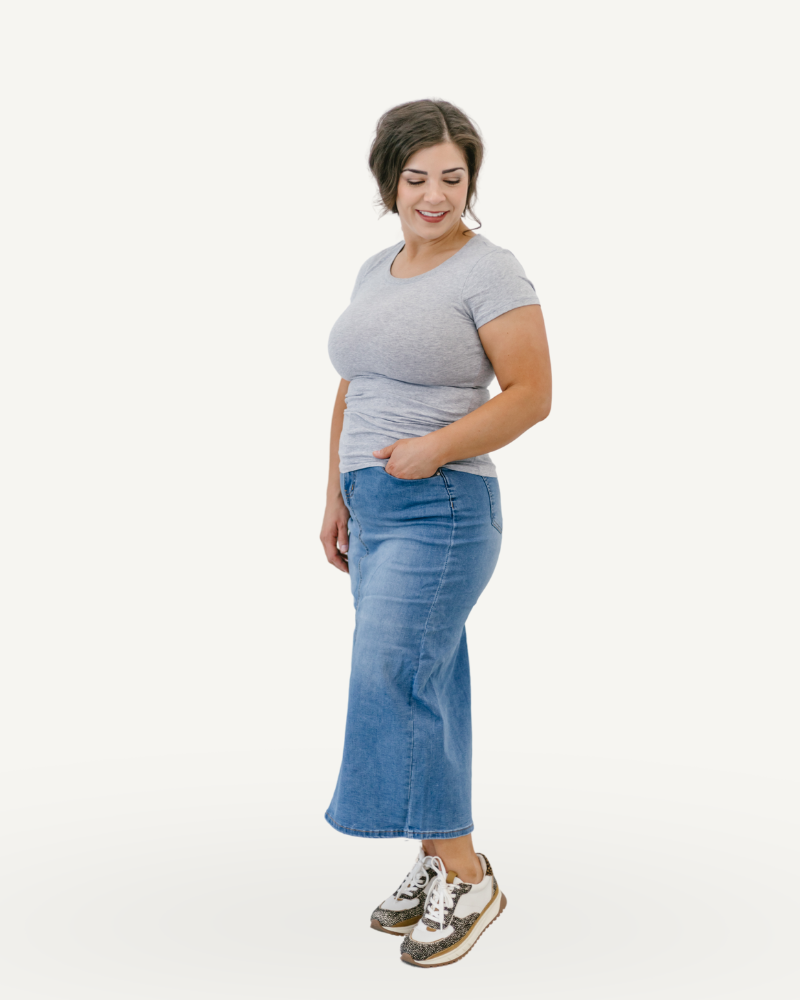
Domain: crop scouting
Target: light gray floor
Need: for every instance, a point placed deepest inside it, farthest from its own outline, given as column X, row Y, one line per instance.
column 167, row 879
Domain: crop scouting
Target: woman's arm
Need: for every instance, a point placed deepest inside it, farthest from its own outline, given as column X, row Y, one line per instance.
column 516, row 344
column 334, row 523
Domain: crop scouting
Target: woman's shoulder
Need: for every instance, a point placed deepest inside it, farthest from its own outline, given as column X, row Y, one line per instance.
column 487, row 254
column 496, row 282
column 373, row 263
column 378, row 258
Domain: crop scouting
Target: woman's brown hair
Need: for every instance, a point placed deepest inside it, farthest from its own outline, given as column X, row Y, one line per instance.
column 406, row 128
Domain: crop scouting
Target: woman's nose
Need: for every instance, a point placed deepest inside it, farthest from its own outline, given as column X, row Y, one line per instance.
column 434, row 195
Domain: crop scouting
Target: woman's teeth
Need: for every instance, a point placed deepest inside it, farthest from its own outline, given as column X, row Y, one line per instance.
column 431, row 214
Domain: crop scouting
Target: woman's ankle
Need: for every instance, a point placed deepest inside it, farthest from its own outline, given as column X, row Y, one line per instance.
column 457, row 855
column 472, row 873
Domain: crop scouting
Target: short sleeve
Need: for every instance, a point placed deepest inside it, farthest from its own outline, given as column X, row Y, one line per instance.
column 496, row 284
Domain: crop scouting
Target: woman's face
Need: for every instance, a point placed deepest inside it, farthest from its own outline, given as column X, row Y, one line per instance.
column 432, row 192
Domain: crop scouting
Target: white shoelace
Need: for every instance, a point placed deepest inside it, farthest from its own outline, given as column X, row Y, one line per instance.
column 440, row 894
column 417, row 878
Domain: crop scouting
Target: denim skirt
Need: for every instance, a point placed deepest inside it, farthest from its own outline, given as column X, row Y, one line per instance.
column 420, row 553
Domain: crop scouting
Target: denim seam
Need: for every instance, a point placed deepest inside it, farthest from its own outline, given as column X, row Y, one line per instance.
column 363, row 543
column 447, row 487
column 421, row 834
column 357, row 829
column 491, row 505
column 422, row 640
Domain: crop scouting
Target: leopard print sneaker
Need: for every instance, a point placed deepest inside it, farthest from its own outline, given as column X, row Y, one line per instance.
column 399, row 913
column 456, row 914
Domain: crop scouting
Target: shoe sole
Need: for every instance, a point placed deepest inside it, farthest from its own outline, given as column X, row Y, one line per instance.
column 493, row 911
column 378, row 926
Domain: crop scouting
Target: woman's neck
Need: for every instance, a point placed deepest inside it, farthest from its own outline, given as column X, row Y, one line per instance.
column 418, row 249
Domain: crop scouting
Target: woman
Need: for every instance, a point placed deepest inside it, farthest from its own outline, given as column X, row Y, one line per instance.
column 414, row 515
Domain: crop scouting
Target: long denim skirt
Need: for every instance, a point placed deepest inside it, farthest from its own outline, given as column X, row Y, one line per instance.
column 420, row 553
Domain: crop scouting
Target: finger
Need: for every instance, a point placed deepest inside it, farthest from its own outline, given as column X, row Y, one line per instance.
column 329, row 544
column 334, row 557
column 344, row 539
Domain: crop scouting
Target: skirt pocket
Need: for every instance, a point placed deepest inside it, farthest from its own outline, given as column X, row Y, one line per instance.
column 422, row 479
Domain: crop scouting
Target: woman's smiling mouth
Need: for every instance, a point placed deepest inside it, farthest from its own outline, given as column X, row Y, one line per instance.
column 431, row 216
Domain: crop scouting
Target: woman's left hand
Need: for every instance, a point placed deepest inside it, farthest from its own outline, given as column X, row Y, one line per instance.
column 409, row 458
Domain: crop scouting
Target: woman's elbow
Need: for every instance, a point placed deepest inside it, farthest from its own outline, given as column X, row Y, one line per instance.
column 545, row 408
column 540, row 407
column 534, row 403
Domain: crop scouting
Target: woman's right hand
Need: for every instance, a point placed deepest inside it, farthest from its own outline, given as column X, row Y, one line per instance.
column 334, row 529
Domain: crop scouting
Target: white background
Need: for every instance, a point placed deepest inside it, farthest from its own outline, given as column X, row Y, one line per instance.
column 186, row 204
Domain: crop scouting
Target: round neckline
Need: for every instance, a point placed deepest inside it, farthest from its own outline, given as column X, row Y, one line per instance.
column 415, row 277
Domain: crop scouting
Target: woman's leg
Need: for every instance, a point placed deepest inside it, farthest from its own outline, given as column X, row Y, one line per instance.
column 457, row 855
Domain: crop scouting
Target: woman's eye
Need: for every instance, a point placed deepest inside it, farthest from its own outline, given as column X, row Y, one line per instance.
column 417, row 183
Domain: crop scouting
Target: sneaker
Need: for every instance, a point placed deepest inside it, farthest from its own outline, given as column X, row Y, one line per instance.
column 456, row 914
column 399, row 913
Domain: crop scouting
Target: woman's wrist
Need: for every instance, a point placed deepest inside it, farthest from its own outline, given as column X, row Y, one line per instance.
column 437, row 447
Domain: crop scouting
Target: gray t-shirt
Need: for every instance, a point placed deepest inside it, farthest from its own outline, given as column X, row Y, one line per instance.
column 410, row 349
